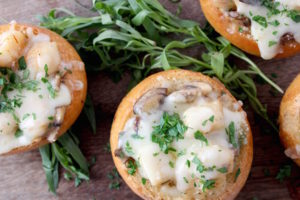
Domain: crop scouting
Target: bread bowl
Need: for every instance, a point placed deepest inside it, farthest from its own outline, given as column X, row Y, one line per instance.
column 289, row 118
column 263, row 28
column 158, row 165
column 43, row 87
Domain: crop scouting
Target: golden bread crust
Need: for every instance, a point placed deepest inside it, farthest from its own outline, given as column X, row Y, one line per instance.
column 125, row 111
column 228, row 28
column 289, row 116
column 68, row 54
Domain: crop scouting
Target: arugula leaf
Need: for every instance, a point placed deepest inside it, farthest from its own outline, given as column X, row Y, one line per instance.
column 284, row 172
column 50, row 166
column 137, row 34
column 89, row 111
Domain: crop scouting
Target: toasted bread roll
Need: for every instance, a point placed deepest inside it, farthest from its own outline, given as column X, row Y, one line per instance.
column 181, row 135
column 289, row 119
column 50, row 91
column 250, row 26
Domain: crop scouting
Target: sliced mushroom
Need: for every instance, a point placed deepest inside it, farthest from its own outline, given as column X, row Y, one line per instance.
column 204, row 87
column 186, row 95
column 150, row 100
column 56, row 82
column 59, row 116
column 137, row 123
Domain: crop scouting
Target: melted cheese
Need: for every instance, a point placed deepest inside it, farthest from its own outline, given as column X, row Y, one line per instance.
column 38, row 109
column 268, row 38
column 160, row 168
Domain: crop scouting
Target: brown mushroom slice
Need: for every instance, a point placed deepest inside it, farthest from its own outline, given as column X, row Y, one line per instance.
column 186, row 95
column 150, row 100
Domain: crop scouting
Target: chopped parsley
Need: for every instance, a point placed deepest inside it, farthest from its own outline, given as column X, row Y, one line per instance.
column 275, row 23
column 211, row 119
column 185, row 180
column 22, row 63
column 208, row 184
column 181, row 153
column 260, row 20
column 46, row 70
column 223, row 170
column 155, row 154
column 230, row 131
column 131, row 167
column 188, row 163
column 199, row 136
column 18, row 133
column 200, row 167
column 294, row 15
column 136, row 136
column 170, row 128
column 144, row 181
column 128, row 149
column 238, row 172
column 171, row 164
column 50, row 89
column 51, row 118
column 272, row 43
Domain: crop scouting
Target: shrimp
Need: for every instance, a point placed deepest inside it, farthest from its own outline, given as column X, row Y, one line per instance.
column 11, row 47
column 40, row 55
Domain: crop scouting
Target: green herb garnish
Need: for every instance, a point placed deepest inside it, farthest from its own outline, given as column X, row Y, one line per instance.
column 199, row 136
column 18, row 133
column 140, row 42
column 136, row 136
column 230, row 131
column 171, row 164
column 260, row 20
column 131, row 166
column 144, row 181
column 128, row 149
column 223, row 170
column 208, row 184
column 237, row 173
column 22, row 63
column 170, row 128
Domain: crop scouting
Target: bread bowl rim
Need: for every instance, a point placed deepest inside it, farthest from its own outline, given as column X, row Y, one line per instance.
column 286, row 137
column 220, row 23
column 67, row 53
column 125, row 111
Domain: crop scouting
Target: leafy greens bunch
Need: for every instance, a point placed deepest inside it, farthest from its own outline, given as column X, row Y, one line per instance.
column 141, row 36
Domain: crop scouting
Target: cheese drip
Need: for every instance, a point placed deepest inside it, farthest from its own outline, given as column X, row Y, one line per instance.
column 269, row 34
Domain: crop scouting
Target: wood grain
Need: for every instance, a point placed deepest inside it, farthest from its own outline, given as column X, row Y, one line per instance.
column 22, row 177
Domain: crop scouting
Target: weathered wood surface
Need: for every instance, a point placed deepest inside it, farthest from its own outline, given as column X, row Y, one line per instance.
column 22, row 177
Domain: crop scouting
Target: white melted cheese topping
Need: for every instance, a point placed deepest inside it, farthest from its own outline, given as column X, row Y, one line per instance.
column 160, row 168
column 268, row 38
column 38, row 112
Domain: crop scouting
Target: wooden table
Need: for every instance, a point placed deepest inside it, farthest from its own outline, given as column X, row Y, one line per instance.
column 22, row 177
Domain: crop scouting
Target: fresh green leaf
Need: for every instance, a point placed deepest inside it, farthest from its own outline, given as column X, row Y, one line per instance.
column 199, row 136
column 90, row 112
